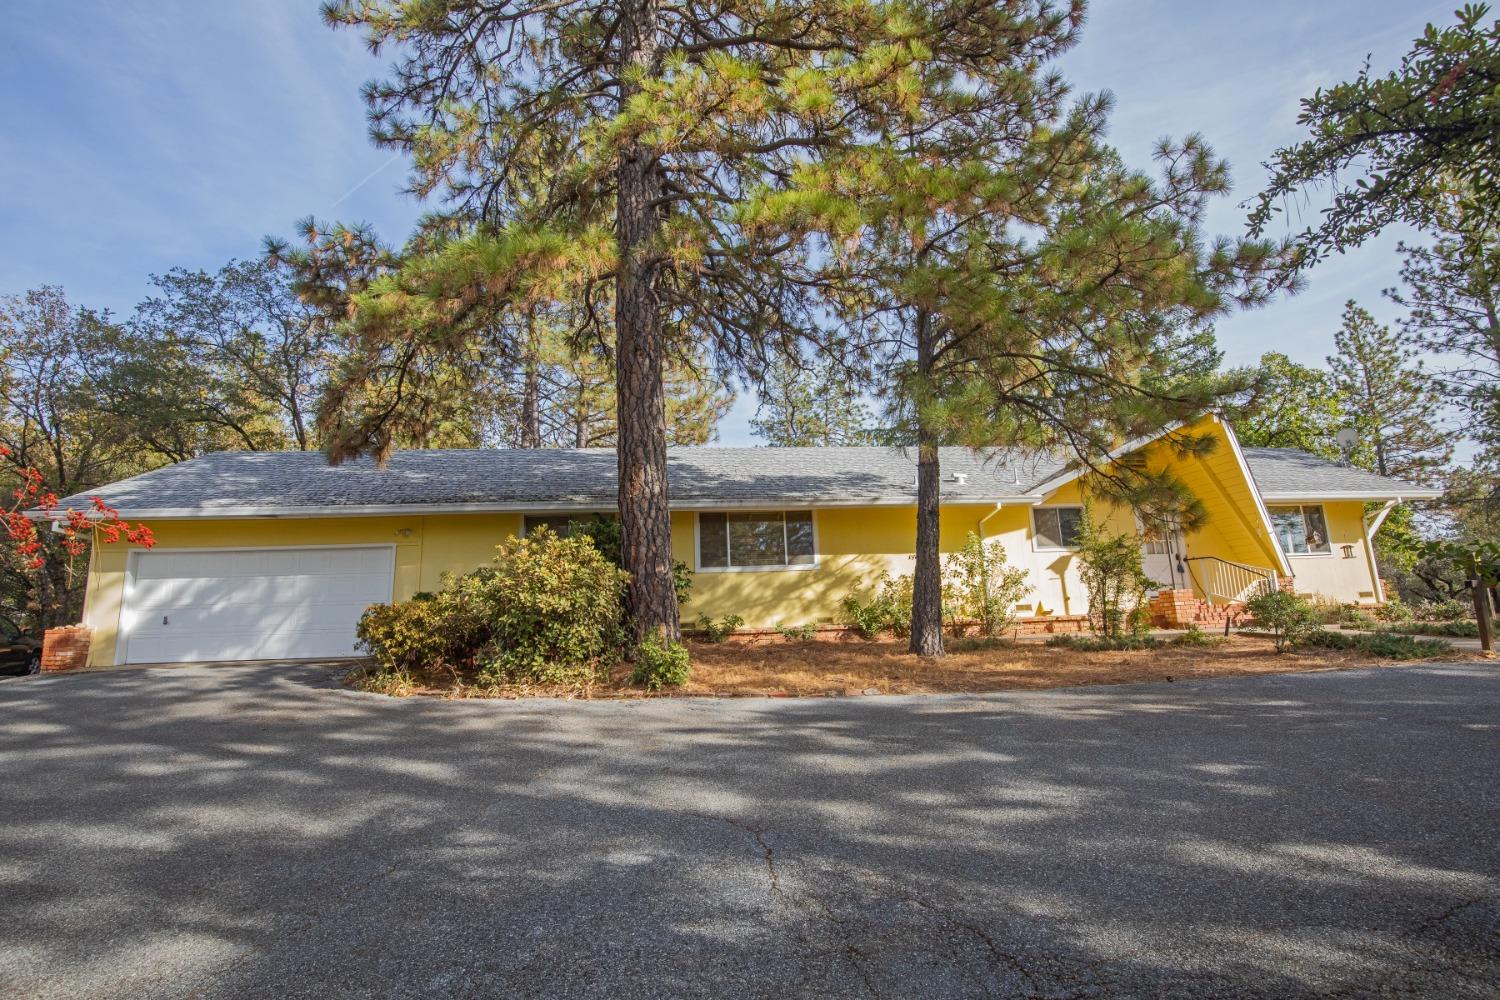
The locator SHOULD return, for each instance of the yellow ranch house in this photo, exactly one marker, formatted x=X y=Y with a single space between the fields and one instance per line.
x=275 y=555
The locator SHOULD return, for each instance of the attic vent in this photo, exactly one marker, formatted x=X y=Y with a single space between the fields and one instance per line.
x=960 y=478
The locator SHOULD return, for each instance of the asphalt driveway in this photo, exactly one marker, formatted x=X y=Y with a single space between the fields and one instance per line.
x=236 y=832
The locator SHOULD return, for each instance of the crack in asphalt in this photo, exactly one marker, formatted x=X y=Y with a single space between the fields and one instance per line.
x=851 y=950
x=1434 y=922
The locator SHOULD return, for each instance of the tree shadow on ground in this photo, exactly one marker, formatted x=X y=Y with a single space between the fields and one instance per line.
x=256 y=831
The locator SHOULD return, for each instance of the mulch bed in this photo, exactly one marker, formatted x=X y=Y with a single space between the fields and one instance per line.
x=781 y=668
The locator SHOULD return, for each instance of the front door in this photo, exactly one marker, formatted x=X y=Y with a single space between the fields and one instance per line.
x=1162 y=555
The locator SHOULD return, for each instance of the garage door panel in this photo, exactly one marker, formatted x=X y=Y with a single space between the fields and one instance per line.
x=251 y=604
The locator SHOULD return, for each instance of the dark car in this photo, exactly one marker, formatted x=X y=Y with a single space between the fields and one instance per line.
x=19 y=653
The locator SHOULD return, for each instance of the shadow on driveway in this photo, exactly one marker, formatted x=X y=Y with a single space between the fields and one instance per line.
x=225 y=832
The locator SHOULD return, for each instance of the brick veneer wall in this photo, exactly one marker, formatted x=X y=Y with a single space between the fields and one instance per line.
x=66 y=648
x=1173 y=608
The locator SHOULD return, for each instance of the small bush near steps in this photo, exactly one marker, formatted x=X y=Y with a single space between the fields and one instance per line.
x=1289 y=617
x=660 y=664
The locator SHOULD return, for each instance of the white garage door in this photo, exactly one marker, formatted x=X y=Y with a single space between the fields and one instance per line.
x=257 y=604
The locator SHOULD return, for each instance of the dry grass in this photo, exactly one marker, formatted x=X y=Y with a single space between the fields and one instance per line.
x=779 y=668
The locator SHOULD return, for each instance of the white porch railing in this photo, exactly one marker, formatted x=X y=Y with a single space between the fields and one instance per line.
x=1225 y=582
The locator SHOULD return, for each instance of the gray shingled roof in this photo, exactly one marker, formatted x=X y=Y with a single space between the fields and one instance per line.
x=538 y=479
x=1291 y=473
x=266 y=482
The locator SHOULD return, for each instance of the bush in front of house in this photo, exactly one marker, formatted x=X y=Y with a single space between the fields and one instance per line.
x=1449 y=610
x=1330 y=611
x=980 y=586
x=1454 y=630
x=1386 y=645
x=660 y=664
x=1196 y=637
x=604 y=532
x=1394 y=610
x=1110 y=567
x=888 y=610
x=548 y=609
x=713 y=631
x=430 y=630
x=1290 y=618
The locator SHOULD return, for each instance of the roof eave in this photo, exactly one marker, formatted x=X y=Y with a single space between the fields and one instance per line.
x=539 y=507
x=1369 y=495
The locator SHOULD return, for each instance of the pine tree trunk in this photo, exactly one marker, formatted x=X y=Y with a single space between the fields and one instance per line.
x=531 y=397
x=927 y=584
x=641 y=449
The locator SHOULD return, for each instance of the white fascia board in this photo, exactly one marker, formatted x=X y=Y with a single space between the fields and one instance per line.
x=1283 y=562
x=1411 y=494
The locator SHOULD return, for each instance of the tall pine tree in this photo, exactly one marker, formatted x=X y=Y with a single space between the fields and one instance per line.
x=1391 y=399
x=1024 y=289
x=605 y=152
x=1451 y=289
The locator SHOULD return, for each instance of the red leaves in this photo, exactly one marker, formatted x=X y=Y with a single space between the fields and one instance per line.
x=75 y=527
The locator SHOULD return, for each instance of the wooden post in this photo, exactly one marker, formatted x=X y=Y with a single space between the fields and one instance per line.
x=1482 y=615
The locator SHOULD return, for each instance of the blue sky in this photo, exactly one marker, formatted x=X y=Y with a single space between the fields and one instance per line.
x=135 y=137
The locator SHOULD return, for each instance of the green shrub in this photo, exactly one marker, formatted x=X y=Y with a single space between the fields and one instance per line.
x=660 y=664
x=555 y=609
x=717 y=631
x=1110 y=568
x=547 y=609
x=889 y=609
x=1328 y=610
x=1355 y=618
x=978 y=585
x=1457 y=630
x=798 y=633
x=1195 y=636
x=1443 y=611
x=1394 y=610
x=1386 y=645
x=604 y=532
x=1289 y=617
x=432 y=630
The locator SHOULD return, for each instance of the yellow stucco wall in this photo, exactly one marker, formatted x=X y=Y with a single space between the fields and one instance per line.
x=855 y=545
x=1348 y=579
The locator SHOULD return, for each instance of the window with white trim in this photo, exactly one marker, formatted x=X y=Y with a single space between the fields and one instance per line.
x=1056 y=527
x=756 y=539
x=1301 y=529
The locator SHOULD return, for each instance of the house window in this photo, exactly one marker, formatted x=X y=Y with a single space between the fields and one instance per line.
x=1302 y=530
x=561 y=524
x=761 y=539
x=1056 y=527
